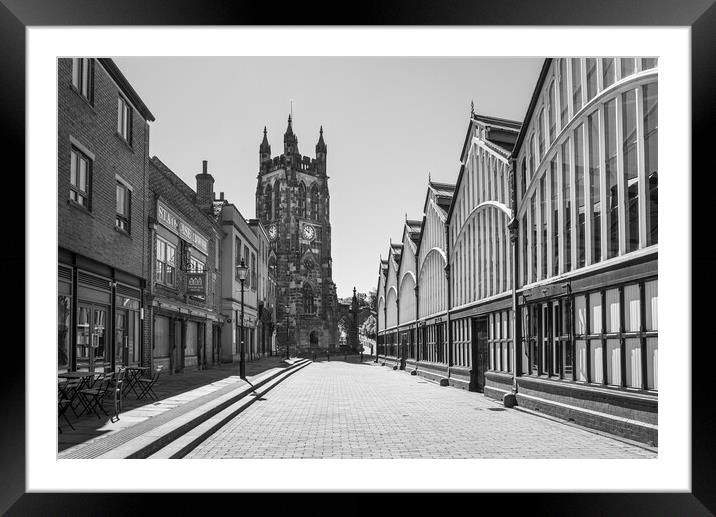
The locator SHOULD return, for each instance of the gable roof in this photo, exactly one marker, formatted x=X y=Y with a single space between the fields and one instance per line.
x=115 y=73
x=533 y=104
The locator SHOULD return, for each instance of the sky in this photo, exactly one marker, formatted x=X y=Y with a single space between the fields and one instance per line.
x=388 y=122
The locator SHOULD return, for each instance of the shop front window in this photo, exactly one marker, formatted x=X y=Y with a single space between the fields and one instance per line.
x=63 y=332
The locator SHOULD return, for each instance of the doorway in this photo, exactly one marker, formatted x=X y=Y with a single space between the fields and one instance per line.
x=91 y=338
x=480 y=355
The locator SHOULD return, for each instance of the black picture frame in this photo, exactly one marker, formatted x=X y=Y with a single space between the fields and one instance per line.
x=699 y=15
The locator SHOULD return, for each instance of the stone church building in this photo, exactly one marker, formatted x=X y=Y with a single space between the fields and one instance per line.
x=292 y=202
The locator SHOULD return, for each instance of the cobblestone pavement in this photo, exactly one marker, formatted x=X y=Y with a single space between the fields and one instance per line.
x=343 y=410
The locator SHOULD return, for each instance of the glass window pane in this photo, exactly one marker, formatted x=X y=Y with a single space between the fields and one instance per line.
x=63 y=331
x=576 y=84
x=595 y=307
x=627 y=65
x=610 y=152
x=596 y=373
x=553 y=177
x=76 y=72
x=85 y=77
x=540 y=134
x=648 y=63
x=73 y=168
x=594 y=186
x=543 y=223
x=591 y=64
x=119 y=115
x=633 y=362
x=652 y=363
x=651 y=160
x=567 y=204
x=83 y=175
x=632 y=308
x=607 y=71
x=120 y=199
x=581 y=353
x=630 y=168
x=614 y=362
x=563 y=95
x=651 y=299
x=579 y=186
x=613 y=313
x=580 y=313
x=551 y=110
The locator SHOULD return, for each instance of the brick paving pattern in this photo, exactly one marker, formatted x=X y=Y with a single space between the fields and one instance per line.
x=342 y=410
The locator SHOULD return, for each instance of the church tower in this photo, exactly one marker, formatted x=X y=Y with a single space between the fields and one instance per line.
x=292 y=202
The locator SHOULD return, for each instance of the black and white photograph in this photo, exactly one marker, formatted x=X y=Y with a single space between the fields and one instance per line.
x=228 y=307
x=358 y=259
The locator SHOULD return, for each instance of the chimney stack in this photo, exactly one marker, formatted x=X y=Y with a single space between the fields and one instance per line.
x=204 y=188
x=221 y=196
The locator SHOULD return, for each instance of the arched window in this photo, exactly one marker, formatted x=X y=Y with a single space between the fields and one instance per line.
x=314 y=202
x=277 y=201
x=301 y=200
x=309 y=304
x=267 y=201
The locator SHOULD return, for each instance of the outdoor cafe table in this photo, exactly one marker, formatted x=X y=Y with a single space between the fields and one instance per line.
x=84 y=379
x=133 y=373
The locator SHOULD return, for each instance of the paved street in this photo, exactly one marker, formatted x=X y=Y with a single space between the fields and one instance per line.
x=341 y=410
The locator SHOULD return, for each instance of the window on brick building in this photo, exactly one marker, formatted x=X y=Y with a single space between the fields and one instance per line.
x=80 y=178
x=83 y=77
x=254 y=279
x=165 y=263
x=124 y=119
x=124 y=207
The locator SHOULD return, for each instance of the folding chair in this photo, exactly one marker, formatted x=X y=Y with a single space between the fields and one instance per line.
x=92 y=397
x=62 y=404
x=146 y=385
x=117 y=389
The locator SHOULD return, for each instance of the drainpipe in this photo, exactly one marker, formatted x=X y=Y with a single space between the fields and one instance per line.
x=510 y=399
x=445 y=382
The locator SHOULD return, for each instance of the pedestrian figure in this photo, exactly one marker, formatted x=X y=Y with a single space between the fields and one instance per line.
x=328 y=357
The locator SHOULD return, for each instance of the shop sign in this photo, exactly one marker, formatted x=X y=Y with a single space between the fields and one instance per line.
x=168 y=219
x=196 y=283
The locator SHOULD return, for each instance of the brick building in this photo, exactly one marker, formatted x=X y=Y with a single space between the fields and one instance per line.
x=184 y=293
x=239 y=242
x=102 y=166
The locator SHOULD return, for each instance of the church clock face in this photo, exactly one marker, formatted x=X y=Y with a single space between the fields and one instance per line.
x=272 y=232
x=308 y=232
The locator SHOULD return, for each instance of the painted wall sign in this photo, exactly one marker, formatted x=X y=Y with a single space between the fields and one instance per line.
x=174 y=223
x=196 y=283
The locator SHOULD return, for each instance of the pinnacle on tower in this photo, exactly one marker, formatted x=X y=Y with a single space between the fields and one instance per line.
x=289 y=129
x=321 y=145
x=290 y=142
x=265 y=147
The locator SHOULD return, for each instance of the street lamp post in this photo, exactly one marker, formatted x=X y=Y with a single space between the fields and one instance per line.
x=241 y=271
x=287 y=344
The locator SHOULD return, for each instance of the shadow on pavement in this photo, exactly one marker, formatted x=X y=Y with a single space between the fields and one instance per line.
x=168 y=386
